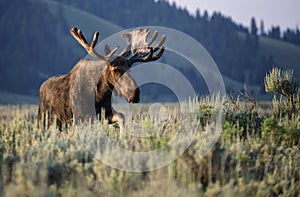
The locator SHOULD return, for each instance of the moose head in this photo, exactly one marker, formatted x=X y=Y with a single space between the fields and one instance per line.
x=138 y=50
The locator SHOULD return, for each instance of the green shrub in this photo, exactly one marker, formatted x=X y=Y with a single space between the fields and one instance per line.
x=287 y=132
x=205 y=112
x=230 y=130
x=283 y=84
x=272 y=130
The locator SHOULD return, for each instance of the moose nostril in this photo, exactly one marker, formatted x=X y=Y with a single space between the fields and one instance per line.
x=136 y=96
x=133 y=96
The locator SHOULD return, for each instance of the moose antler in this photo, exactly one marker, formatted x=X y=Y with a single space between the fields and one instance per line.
x=141 y=48
x=77 y=34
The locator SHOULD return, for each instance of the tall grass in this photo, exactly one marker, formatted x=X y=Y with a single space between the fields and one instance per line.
x=249 y=158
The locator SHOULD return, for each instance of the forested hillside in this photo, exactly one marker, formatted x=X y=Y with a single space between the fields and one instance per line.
x=32 y=44
x=233 y=47
x=35 y=41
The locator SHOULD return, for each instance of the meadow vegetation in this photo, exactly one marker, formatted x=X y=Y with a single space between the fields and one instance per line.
x=257 y=153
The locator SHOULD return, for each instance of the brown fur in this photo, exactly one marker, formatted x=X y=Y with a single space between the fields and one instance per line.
x=87 y=89
x=84 y=91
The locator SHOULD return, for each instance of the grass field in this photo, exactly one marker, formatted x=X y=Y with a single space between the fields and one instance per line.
x=250 y=158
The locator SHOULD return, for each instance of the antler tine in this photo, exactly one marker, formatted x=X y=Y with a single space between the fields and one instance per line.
x=95 y=39
x=77 y=34
x=125 y=50
x=109 y=56
x=155 y=34
x=150 y=56
x=160 y=43
x=126 y=38
x=156 y=57
x=81 y=36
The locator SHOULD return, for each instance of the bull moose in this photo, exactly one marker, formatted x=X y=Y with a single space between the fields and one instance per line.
x=87 y=89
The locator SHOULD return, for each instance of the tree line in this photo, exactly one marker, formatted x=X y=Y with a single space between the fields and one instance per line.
x=35 y=43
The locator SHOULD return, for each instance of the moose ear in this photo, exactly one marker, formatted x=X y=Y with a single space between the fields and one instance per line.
x=107 y=50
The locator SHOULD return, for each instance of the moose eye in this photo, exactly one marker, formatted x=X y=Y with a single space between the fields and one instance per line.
x=118 y=72
x=114 y=65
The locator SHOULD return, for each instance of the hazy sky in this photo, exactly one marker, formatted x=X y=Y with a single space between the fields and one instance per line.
x=285 y=13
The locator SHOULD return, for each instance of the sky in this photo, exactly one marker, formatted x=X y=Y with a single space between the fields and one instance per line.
x=283 y=13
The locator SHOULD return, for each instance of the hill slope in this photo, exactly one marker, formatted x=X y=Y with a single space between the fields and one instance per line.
x=45 y=47
x=86 y=21
x=284 y=54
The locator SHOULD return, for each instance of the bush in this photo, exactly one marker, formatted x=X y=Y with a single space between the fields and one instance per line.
x=288 y=131
x=283 y=83
x=272 y=130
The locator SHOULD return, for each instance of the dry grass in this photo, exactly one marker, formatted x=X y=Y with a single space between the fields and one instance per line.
x=242 y=163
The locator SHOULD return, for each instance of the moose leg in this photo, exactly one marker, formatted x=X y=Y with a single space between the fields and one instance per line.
x=41 y=118
x=118 y=118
